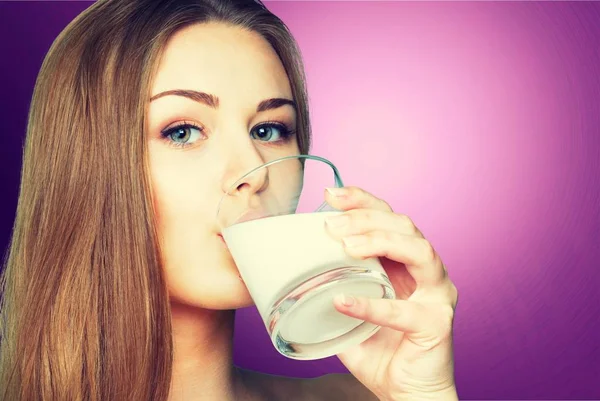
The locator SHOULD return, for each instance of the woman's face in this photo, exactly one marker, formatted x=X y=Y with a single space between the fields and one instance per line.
x=208 y=125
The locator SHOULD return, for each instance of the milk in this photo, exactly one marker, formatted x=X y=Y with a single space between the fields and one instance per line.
x=275 y=254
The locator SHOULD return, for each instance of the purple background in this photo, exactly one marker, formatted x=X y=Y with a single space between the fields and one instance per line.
x=479 y=120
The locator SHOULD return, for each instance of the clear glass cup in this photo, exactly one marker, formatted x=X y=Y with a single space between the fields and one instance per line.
x=272 y=221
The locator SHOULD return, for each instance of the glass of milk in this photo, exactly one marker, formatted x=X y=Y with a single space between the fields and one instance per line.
x=273 y=222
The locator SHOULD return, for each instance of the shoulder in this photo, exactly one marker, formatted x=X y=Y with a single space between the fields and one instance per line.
x=330 y=387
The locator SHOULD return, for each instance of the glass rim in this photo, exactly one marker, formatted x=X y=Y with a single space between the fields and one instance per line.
x=337 y=179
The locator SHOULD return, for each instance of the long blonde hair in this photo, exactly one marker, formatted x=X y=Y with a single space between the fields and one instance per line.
x=85 y=312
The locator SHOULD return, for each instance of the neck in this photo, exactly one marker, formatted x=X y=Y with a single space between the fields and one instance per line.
x=203 y=366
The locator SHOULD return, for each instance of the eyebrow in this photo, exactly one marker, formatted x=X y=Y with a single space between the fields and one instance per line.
x=213 y=101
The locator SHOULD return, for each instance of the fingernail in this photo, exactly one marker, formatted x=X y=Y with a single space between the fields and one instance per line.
x=337 y=221
x=346 y=300
x=354 y=240
x=337 y=192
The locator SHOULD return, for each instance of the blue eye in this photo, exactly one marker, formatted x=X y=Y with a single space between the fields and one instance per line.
x=271 y=132
x=183 y=135
x=186 y=134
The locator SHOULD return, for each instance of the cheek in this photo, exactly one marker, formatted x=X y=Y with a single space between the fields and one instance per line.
x=180 y=204
x=182 y=197
x=185 y=225
x=175 y=184
x=292 y=184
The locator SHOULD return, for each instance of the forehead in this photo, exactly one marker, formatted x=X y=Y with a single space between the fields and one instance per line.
x=228 y=61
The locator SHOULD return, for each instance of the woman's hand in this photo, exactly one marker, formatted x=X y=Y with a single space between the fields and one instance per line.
x=410 y=357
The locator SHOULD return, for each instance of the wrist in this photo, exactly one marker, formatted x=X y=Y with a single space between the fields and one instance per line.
x=447 y=394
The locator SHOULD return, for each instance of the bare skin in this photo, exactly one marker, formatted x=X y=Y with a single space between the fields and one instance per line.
x=332 y=387
x=198 y=147
x=214 y=377
x=189 y=169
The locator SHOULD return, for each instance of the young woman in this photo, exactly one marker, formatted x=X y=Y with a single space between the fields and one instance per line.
x=117 y=285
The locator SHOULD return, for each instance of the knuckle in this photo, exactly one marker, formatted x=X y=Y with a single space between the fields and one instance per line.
x=387 y=236
x=407 y=222
x=427 y=249
x=453 y=295
x=350 y=221
x=386 y=205
x=370 y=237
x=406 y=219
x=354 y=190
x=415 y=231
x=446 y=321
x=367 y=307
x=383 y=241
x=359 y=214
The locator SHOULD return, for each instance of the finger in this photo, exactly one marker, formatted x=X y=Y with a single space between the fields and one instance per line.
x=417 y=254
x=347 y=198
x=361 y=221
x=401 y=315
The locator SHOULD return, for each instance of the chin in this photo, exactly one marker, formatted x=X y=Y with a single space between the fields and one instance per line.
x=214 y=283
x=233 y=295
x=221 y=290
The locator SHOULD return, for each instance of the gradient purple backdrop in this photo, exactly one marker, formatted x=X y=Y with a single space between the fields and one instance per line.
x=479 y=120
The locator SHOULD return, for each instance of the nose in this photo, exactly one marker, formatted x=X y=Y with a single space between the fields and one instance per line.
x=242 y=175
